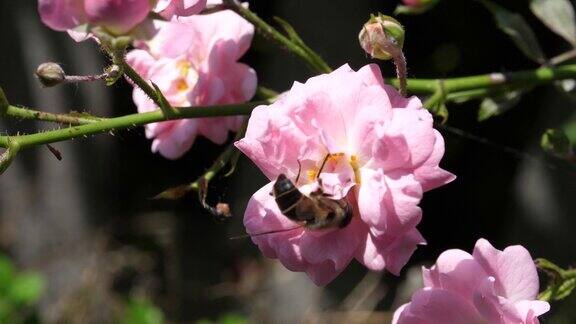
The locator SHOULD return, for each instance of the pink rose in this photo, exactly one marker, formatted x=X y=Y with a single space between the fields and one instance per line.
x=117 y=16
x=385 y=155
x=194 y=61
x=489 y=286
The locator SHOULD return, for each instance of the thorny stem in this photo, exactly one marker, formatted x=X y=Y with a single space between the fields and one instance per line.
x=528 y=78
x=312 y=59
x=71 y=119
x=152 y=92
x=85 y=78
x=401 y=71
x=112 y=124
x=451 y=87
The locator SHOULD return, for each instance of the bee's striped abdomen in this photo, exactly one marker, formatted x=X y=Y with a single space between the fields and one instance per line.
x=287 y=196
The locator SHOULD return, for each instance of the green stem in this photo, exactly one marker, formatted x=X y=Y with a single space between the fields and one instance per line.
x=123 y=122
x=314 y=61
x=89 y=126
x=151 y=91
x=66 y=119
x=530 y=78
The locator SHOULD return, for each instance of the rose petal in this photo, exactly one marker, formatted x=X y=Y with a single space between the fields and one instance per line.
x=437 y=306
x=513 y=268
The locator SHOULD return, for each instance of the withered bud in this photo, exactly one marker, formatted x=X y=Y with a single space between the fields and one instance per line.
x=223 y=210
x=50 y=74
x=382 y=37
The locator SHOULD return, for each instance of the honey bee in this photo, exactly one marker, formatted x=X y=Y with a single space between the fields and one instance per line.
x=314 y=212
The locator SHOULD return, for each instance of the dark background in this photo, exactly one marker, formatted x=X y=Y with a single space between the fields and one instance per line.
x=88 y=223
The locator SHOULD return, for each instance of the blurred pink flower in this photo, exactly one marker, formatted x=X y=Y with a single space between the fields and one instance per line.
x=412 y=3
x=116 y=16
x=420 y=4
x=489 y=286
x=383 y=146
x=194 y=61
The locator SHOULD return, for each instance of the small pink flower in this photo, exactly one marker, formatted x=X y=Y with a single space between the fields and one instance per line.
x=385 y=154
x=489 y=286
x=116 y=16
x=194 y=61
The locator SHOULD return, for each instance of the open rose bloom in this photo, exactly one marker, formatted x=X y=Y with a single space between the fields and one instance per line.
x=384 y=154
x=194 y=62
x=489 y=286
x=116 y=16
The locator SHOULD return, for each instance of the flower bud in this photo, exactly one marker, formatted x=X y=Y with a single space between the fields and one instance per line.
x=382 y=37
x=50 y=74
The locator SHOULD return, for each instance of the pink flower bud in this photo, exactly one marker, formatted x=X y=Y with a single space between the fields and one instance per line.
x=382 y=37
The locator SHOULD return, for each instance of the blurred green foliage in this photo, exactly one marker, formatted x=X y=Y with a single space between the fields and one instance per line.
x=19 y=293
x=142 y=311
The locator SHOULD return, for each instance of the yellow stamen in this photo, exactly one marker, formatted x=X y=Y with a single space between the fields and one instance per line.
x=181 y=85
x=311 y=175
x=356 y=168
x=184 y=67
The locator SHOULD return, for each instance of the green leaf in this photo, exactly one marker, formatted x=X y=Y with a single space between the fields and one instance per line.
x=26 y=288
x=174 y=193
x=561 y=282
x=555 y=142
x=558 y=15
x=140 y=311
x=565 y=289
x=518 y=30
x=494 y=106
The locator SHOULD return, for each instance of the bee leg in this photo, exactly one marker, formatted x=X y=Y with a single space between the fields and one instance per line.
x=299 y=169
x=322 y=166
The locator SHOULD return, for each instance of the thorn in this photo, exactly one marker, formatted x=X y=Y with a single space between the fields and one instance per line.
x=54 y=152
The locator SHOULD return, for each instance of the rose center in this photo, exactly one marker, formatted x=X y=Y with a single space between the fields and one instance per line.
x=333 y=162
